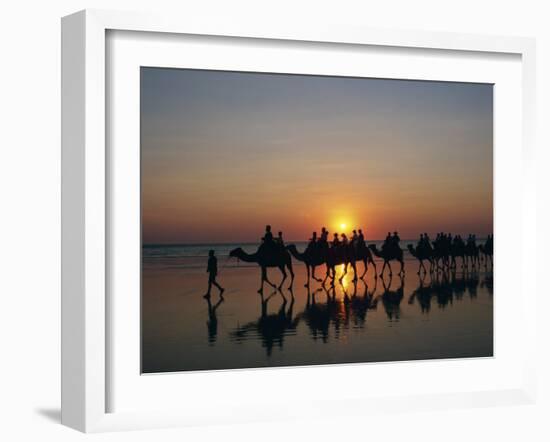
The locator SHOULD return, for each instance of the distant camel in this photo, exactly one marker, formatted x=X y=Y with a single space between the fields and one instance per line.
x=487 y=252
x=441 y=253
x=278 y=257
x=472 y=252
x=458 y=250
x=313 y=257
x=310 y=259
x=389 y=254
x=422 y=254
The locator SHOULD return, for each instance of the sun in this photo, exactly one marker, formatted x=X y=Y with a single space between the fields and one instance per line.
x=343 y=226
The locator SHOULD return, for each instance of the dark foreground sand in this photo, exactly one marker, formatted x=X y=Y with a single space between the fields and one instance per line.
x=445 y=317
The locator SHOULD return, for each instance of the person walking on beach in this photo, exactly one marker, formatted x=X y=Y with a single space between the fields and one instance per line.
x=212 y=270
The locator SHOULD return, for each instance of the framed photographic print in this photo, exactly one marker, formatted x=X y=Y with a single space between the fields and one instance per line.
x=252 y=211
x=224 y=154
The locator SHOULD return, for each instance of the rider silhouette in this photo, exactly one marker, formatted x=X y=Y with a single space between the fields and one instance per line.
x=323 y=240
x=395 y=239
x=426 y=238
x=361 y=238
x=335 y=241
x=344 y=239
x=268 y=236
x=313 y=238
x=279 y=240
x=387 y=241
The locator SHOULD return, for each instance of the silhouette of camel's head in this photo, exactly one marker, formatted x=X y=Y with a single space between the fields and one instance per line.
x=236 y=252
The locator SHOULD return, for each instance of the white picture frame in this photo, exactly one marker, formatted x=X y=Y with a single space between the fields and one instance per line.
x=86 y=353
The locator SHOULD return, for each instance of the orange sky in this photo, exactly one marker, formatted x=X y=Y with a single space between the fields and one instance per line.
x=223 y=154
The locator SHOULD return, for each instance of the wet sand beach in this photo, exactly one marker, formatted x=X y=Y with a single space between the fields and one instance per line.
x=394 y=319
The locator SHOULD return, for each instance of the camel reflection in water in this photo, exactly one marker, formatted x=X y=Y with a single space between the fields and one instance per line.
x=448 y=287
x=327 y=315
x=391 y=299
x=271 y=328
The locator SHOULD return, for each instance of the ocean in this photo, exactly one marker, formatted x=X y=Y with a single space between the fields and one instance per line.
x=195 y=255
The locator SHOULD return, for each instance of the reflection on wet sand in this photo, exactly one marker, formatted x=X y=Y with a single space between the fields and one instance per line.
x=212 y=322
x=446 y=314
x=447 y=287
x=271 y=328
x=325 y=313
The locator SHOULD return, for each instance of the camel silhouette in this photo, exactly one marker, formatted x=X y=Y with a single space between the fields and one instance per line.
x=272 y=328
x=316 y=256
x=487 y=252
x=422 y=254
x=268 y=257
x=472 y=254
x=458 y=251
x=443 y=257
x=389 y=254
x=310 y=258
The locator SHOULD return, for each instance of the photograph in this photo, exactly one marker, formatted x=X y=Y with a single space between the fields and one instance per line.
x=301 y=220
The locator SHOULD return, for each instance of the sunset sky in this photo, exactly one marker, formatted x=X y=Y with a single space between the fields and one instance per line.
x=224 y=154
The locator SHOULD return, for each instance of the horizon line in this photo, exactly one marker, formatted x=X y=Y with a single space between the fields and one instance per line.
x=175 y=244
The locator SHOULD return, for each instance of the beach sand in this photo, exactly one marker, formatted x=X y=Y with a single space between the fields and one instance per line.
x=438 y=318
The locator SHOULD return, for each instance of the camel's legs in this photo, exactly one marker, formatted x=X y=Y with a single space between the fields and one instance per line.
x=374 y=265
x=333 y=276
x=313 y=274
x=354 y=266
x=307 y=282
x=366 y=264
x=421 y=266
x=282 y=269
x=402 y=271
x=291 y=276
x=327 y=274
x=383 y=268
x=345 y=272
x=262 y=277
x=265 y=278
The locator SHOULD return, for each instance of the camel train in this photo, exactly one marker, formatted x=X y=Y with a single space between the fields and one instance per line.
x=275 y=254
x=442 y=255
